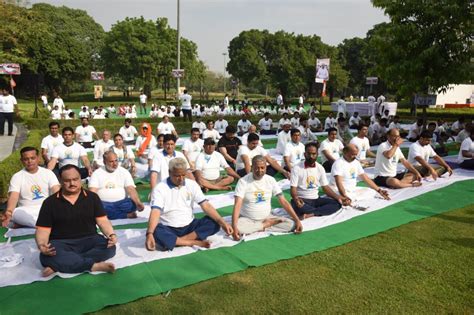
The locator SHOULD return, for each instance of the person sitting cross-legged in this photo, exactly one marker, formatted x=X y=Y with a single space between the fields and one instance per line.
x=330 y=149
x=28 y=189
x=208 y=165
x=252 y=206
x=171 y=221
x=420 y=153
x=116 y=189
x=306 y=178
x=344 y=174
x=66 y=232
x=466 y=153
x=388 y=155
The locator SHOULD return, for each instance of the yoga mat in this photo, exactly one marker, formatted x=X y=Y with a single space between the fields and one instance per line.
x=87 y=293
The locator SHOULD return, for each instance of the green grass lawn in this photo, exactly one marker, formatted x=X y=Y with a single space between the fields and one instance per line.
x=422 y=267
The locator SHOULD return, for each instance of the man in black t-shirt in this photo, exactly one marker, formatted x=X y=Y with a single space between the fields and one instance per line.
x=66 y=232
x=229 y=145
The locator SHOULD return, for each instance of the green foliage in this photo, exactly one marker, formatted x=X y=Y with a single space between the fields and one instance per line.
x=426 y=45
x=283 y=61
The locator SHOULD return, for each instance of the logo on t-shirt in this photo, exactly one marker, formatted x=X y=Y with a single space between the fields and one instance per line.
x=68 y=154
x=259 y=196
x=310 y=182
x=36 y=190
x=353 y=173
x=109 y=185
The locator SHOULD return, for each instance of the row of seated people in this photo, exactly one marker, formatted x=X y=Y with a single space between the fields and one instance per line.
x=171 y=221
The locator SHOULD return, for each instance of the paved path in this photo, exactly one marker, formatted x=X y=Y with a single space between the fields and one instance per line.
x=7 y=142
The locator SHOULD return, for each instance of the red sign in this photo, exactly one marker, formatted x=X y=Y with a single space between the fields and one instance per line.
x=10 y=68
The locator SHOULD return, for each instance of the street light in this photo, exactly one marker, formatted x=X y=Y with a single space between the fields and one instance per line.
x=224 y=54
x=179 y=55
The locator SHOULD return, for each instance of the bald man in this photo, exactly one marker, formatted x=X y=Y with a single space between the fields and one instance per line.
x=344 y=174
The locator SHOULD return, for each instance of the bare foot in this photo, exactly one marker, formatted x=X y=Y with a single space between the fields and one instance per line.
x=205 y=190
x=205 y=244
x=47 y=272
x=416 y=184
x=307 y=215
x=103 y=266
x=132 y=215
x=226 y=188
x=270 y=222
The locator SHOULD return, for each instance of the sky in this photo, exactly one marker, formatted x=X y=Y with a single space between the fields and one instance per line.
x=212 y=24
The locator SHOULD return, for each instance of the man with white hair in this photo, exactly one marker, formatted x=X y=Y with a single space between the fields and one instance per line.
x=171 y=221
x=284 y=136
x=193 y=146
x=252 y=207
x=116 y=189
x=102 y=146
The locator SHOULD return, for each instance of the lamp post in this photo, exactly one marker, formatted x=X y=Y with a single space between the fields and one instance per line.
x=178 y=55
x=224 y=54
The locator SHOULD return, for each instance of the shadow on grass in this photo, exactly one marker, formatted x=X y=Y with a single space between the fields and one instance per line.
x=464 y=242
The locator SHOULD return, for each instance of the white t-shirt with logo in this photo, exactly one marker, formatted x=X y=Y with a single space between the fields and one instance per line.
x=129 y=133
x=295 y=151
x=33 y=188
x=185 y=101
x=165 y=128
x=308 y=180
x=466 y=145
x=265 y=124
x=214 y=134
x=68 y=154
x=283 y=139
x=210 y=165
x=329 y=123
x=176 y=203
x=425 y=152
x=283 y=122
x=256 y=195
x=193 y=148
x=122 y=154
x=111 y=186
x=221 y=125
x=244 y=125
x=295 y=122
x=334 y=149
x=349 y=171
x=354 y=120
x=161 y=162
x=143 y=98
x=363 y=145
x=49 y=143
x=244 y=150
x=100 y=148
x=7 y=103
x=387 y=167
x=85 y=133
x=314 y=123
x=200 y=125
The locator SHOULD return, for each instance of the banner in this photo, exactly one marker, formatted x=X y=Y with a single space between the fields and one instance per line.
x=10 y=68
x=177 y=73
x=371 y=80
x=97 y=76
x=98 y=93
x=322 y=70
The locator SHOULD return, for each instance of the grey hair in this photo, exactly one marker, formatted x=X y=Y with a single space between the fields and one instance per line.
x=178 y=163
x=258 y=158
x=107 y=153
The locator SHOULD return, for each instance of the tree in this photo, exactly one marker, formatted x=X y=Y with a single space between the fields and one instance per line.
x=353 y=54
x=426 y=45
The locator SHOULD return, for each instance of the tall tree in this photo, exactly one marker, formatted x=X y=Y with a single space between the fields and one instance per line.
x=426 y=45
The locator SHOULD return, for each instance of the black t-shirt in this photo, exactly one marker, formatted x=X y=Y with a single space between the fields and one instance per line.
x=232 y=146
x=69 y=221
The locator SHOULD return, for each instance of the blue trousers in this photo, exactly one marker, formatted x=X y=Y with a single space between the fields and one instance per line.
x=77 y=255
x=119 y=209
x=165 y=236
x=321 y=206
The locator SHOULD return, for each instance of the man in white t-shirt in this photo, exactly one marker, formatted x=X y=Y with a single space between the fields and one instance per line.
x=420 y=153
x=415 y=130
x=380 y=105
x=466 y=153
x=330 y=122
x=50 y=142
x=101 y=146
x=355 y=120
x=116 y=189
x=143 y=98
x=344 y=174
x=252 y=206
x=295 y=120
x=279 y=100
x=330 y=149
x=371 y=100
x=284 y=136
x=199 y=125
x=294 y=150
x=221 y=124
x=265 y=124
x=58 y=101
x=363 y=146
x=306 y=134
x=86 y=133
x=243 y=125
x=7 y=109
x=166 y=127
x=55 y=113
x=388 y=155
x=69 y=152
x=128 y=132
x=301 y=100
x=44 y=100
x=210 y=132
x=284 y=120
x=186 y=105
x=252 y=129
x=208 y=169
x=314 y=123
x=192 y=147
x=28 y=189
x=341 y=107
x=306 y=178
x=172 y=222
x=247 y=152
x=159 y=170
